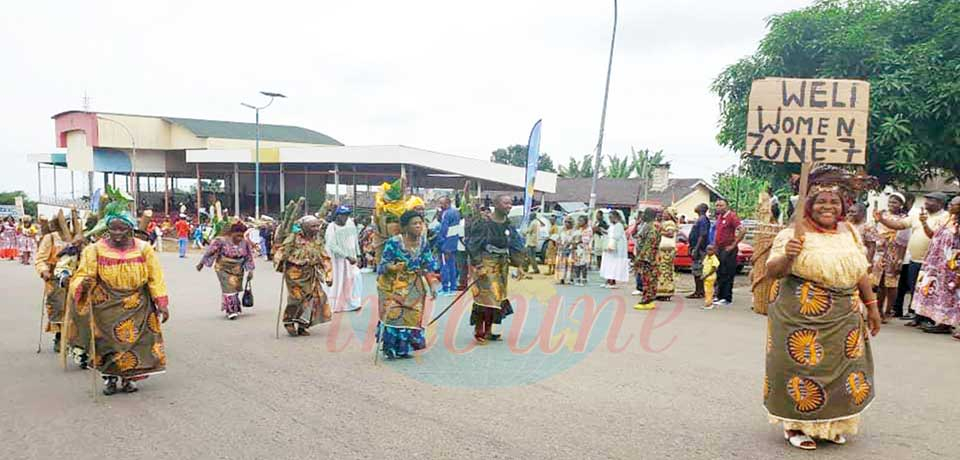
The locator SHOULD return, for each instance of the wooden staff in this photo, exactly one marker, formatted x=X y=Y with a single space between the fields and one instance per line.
x=43 y=301
x=92 y=354
x=280 y=303
x=65 y=329
x=799 y=215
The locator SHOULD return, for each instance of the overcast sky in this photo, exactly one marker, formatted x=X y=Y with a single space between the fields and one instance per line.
x=452 y=76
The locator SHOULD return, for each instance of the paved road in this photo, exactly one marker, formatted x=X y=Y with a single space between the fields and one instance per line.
x=689 y=388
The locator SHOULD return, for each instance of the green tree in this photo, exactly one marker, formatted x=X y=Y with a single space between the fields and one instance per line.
x=644 y=160
x=10 y=198
x=619 y=168
x=581 y=169
x=516 y=155
x=907 y=50
x=572 y=169
x=741 y=190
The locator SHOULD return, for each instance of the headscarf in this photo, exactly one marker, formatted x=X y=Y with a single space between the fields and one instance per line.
x=408 y=216
x=670 y=213
x=392 y=191
x=829 y=178
x=898 y=195
x=343 y=209
x=123 y=216
x=414 y=202
x=238 y=227
x=307 y=219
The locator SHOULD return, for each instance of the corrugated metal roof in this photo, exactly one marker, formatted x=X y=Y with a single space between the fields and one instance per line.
x=622 y=192
x=395 y=155
x=236 y=129
x=240 y=130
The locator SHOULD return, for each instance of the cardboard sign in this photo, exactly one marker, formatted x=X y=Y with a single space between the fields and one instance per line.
x=18 y=202
x=794 y=120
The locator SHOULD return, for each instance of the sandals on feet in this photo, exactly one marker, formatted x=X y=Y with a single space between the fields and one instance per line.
x=839 y=440
x=129 y=387
x=291 y=329
x=110 y=387
x=800 y=440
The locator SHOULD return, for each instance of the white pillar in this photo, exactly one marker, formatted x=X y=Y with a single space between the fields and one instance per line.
x=236 y=189
x=336 y=183
x=282 y=191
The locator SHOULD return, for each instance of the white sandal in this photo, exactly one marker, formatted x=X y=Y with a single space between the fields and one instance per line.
x=801 y=441
x=839 y=440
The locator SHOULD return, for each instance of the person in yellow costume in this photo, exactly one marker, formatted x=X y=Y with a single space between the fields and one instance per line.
x=47 y=256
x=119 y=280
x=389 y=206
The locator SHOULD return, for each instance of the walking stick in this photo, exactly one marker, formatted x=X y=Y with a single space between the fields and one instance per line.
x=92 y=354
x=280 y=301
x=455 y=300
x=43 y=301
x=65 y=329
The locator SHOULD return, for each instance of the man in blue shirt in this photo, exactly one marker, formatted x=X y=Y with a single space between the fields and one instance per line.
x=697 y=243
x=449 y=217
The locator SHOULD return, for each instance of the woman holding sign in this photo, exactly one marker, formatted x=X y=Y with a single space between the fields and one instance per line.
x=819 y=365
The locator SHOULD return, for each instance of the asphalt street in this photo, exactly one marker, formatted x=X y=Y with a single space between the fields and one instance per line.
x=674 y=383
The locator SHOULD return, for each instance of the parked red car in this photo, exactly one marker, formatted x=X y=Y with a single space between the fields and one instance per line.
x=683 y=260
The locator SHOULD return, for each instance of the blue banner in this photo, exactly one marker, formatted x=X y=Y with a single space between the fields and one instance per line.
x=533 y=159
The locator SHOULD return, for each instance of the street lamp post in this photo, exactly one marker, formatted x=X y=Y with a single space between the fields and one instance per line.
x=603 y=117
x=257 y=147
x=133 y=162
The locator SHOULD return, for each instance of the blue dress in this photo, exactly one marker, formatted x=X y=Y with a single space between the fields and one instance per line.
x=402 y=296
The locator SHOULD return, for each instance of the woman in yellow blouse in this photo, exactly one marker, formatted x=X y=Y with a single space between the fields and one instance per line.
x=819 y=364
x=120 y=278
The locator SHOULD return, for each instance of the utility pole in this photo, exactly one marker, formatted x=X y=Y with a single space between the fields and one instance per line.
x=603 y=116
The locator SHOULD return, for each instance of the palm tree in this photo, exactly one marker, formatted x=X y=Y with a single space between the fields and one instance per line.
x=579 y=169
x=619 y=168
x=644 y=161
x=571 y=170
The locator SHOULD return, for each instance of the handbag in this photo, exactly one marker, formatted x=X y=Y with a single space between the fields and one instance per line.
x=247 y=298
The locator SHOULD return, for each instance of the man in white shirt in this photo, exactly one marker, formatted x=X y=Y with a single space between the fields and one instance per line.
x=924 y=226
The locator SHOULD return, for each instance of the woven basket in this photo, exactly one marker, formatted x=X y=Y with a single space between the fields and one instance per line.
x=761 y=285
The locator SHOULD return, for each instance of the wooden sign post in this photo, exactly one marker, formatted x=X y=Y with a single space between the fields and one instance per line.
x=808 y=121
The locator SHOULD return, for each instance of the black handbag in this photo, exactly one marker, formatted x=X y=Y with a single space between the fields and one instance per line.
x=247 y=298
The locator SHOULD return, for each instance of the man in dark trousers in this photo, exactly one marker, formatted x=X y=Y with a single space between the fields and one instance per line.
x=449 y=217
x=266 y=239
x=727 y=239
x=697 y=241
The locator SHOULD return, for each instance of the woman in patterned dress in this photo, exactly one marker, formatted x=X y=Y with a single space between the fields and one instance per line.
x=646 y=254
x=27 y=239
x=493 y=244
x=567 y=242
x=306 y=267
x=8 y=239
x=819 y=366
x=406 y=268
x=120 y=279
x=665 y=255
x=938 y=286
x=889 y=248
x=230 y=256
x=583 y=251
